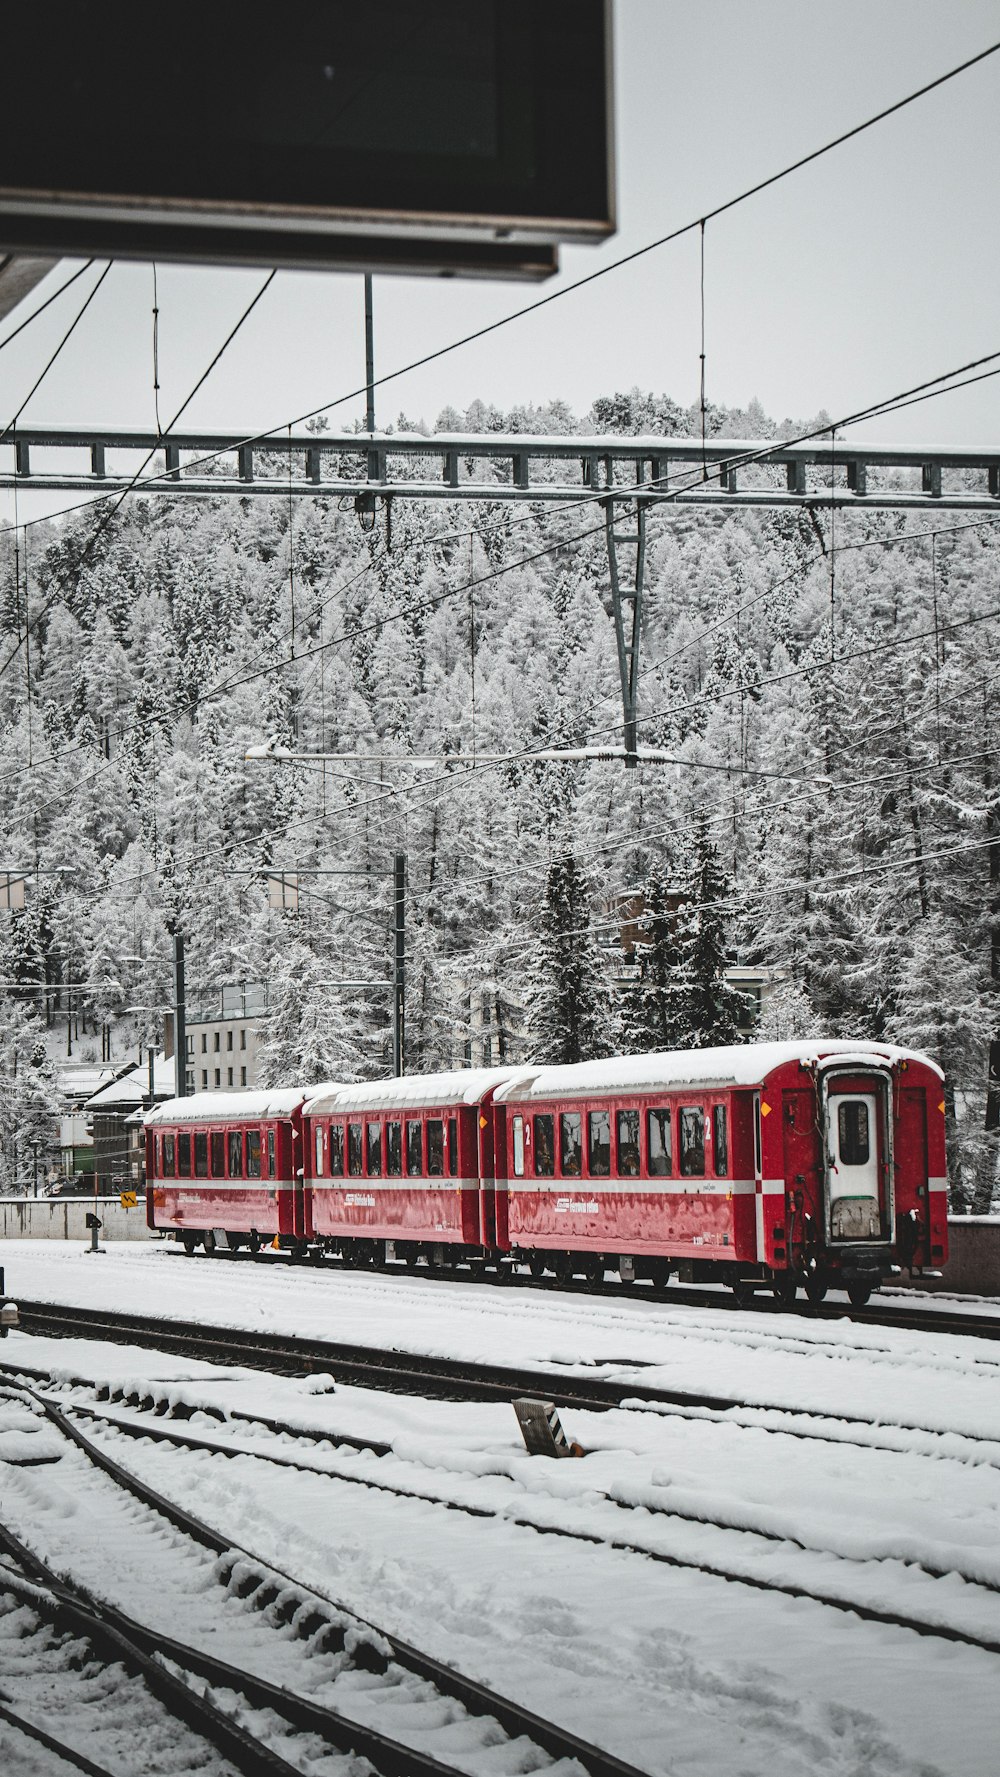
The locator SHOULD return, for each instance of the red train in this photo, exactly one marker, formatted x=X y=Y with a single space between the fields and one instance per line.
x=766 y=1165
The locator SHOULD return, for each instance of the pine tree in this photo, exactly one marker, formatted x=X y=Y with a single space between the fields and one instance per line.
x=566 y=986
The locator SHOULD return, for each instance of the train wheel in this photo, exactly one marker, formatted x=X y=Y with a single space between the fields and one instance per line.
x=537 y=1269
x=254 y=1241
x=783 y=1288
x=816 y=1286
x=208 y=1241
x=858 y=1293
x=593 y=1274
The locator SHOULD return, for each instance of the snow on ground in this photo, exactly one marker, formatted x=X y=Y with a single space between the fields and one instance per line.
x=679 y=1671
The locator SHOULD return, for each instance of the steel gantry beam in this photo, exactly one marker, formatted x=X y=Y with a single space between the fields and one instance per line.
x=621 y=477
x=494 y=466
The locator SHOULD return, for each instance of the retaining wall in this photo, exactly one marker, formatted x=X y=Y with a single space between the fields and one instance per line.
x=973 y=1267
x=65 y=1218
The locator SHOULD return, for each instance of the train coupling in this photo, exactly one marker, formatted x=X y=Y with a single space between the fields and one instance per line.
x=9 y=1316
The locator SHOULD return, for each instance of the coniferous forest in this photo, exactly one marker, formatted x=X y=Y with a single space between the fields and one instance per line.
x=825 y=688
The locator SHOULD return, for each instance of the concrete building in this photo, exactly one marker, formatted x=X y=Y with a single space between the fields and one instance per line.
x=222 y=1038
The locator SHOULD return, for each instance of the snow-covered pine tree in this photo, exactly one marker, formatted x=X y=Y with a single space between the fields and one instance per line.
x=566 y=987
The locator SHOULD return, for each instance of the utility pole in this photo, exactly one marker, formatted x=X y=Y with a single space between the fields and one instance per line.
x=180 y=1018
x=399 y=961
x=369 y=357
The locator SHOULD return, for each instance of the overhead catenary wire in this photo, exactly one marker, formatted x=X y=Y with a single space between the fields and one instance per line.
x=11 y=425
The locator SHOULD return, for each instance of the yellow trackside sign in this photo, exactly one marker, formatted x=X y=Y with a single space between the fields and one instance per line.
x=127 y=1199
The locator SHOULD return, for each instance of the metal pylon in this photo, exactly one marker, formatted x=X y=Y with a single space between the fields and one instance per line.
x=627 y=622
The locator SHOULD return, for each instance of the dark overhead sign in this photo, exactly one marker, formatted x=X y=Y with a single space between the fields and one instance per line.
x=428 y=135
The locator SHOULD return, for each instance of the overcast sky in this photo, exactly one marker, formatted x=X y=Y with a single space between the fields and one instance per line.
x=853 y=279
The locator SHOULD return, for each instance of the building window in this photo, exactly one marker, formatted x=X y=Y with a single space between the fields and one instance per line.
x=189 y=1045
x=243 y=1039
x=216 y=1042
x=204 y=1042
x=204 y=1079
x=229 y=1039
x=189 y=1080
x=218 y=1076
x=229 y=1076
x=243 y=1076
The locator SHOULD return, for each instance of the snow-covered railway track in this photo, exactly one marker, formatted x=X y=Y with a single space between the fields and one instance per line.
x=899 y=1312
x=435 y=1377
x=729 y=1547
x=93 y=1701
x=341 y=1673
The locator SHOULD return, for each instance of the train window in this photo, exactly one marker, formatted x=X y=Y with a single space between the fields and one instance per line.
x=720 y=1140
x=354 y=1164
x=517 y=1128
x=184 y=1156
x=374 y=1150
x=545 y=1147
x=852 y=1129
x=218 y=1154
x=414 y=1149
x=253 y=1153
x=435 y=1147
x=235 y=1153
x=394 y=1149
x=571 y=1143
x=336 y=1150
x=272 y=1171
x=169 y=1157
x=628 y=1144
x=201 y=1155
x=599 y=1143
x=319 y=1151
x=692 y=1127
x=452 y=1147
x=659 y=1142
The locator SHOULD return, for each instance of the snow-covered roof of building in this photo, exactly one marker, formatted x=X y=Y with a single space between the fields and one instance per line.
x=233 y=1107
x=743 y=1064
x=79 y=1080
x=132 y=1087
x=465 y=1085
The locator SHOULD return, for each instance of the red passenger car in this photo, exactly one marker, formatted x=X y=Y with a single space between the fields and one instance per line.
x=407 y=1161
x=780 y=1164
x=225 y=1168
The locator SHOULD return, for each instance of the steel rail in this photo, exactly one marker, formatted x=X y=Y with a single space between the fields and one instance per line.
x=390 y=1757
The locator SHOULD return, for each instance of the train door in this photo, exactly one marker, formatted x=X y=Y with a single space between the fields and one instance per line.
x=858 y=1184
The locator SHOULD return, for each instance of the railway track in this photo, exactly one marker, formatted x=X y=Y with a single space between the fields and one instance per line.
x=729 y=1550
x=445 y=1721
x=908 y=1317
x=393 y=1371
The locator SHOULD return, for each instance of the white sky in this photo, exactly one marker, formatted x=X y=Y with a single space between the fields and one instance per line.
x=853 y=279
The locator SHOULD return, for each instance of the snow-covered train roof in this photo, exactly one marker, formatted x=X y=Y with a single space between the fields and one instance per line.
x=231 y=1107
x=413 y=1091
x=740 y=1064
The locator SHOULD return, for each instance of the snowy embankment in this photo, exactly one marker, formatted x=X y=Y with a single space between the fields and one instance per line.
x=675 y=1669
